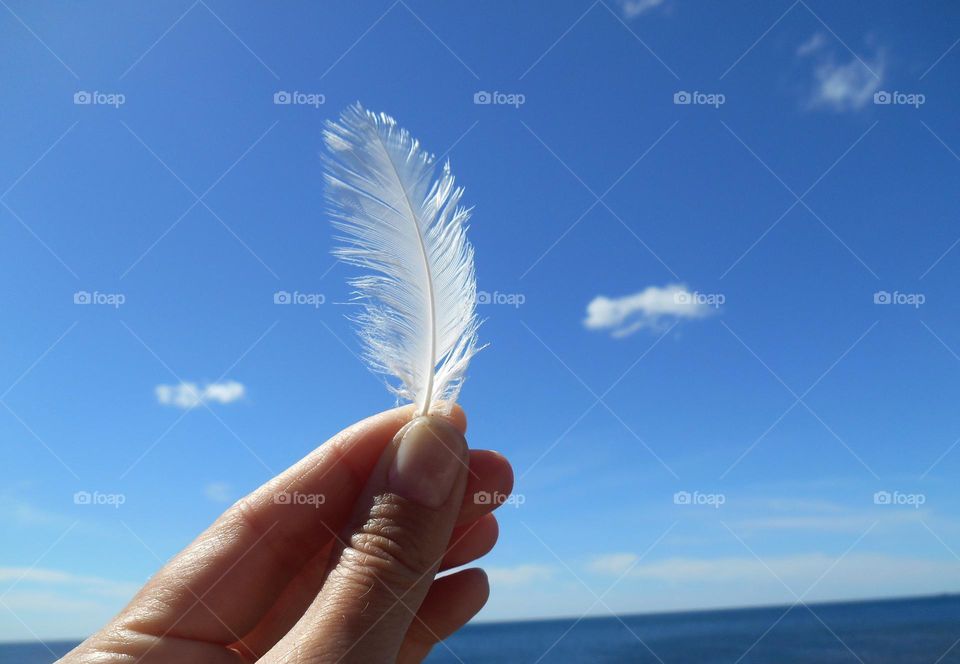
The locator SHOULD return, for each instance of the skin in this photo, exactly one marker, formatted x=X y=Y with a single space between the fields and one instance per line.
x=352 y=579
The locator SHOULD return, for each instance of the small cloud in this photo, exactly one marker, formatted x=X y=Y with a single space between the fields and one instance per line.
x=840 y=521
x=816 y=42
x=613 y=564
x=25 y=514
x=190 y=395
x=843 y=87
x=651 y=308
x=218 y=492
x=94 y=585
x=634 y=8
x=58 y=604
x=520 y=574
x=224 y=392
x=858 y=572
x=840 y=85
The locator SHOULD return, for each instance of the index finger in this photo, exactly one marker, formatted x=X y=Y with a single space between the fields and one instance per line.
x=219 y=587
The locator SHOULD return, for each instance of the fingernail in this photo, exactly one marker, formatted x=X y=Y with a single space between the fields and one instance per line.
x=427 y=463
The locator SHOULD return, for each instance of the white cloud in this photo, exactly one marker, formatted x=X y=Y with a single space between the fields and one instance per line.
x=23 y=513
x=96 y=585
x=520 y=574
x=51 y=604
x=634 y=8
x=847 y=86
x=691 y=583
x=224 y=392
x=799 y=514
x=652 y=308
x=190 y=395
x=840 y=85
x=218 y=492
x=613 y=564
x=854 y=523
x=58 y=604
x=816 y=42
x=859 y=571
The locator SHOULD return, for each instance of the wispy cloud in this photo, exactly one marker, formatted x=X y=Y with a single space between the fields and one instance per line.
x=652 y=308
x=218 y=492
x=835 y=523
x=840 y=84
x=190 y=395
x=798 y=571
x=613 y=564
x=820 y=516
x=519 y=574
x=26 y=514
x=634 y=8
x=58 y=604
x=95 y=585
x=816 y=42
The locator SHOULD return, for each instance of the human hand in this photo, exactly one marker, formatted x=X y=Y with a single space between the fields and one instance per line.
x=349 y=577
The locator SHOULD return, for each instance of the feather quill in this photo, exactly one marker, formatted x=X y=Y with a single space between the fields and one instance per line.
x=402 y=224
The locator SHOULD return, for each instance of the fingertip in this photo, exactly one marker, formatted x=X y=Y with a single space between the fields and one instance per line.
x=458 y=418
x=401 y=415
x=464 y=592
x=472 y=541
x=504 y=470
x=453 y=600
x=476 y=578
x=494 y=468
x=484 y=580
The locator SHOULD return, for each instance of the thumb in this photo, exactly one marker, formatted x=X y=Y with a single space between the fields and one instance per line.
x=390 y=551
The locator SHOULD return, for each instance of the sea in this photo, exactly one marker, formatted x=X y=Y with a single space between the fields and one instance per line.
x=925 y=630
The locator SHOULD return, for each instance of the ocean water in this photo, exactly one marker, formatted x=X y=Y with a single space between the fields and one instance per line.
x=923 y=630
x=896 y=631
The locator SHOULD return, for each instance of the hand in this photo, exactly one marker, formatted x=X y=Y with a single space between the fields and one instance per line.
x=334 y=560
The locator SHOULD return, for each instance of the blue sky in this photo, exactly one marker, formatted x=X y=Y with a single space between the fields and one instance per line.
x=717 y=329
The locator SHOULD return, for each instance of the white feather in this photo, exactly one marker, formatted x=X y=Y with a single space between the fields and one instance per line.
x=401 y=222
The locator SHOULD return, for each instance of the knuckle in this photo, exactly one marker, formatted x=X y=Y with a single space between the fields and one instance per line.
x=389 y=547
x=286 y=549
